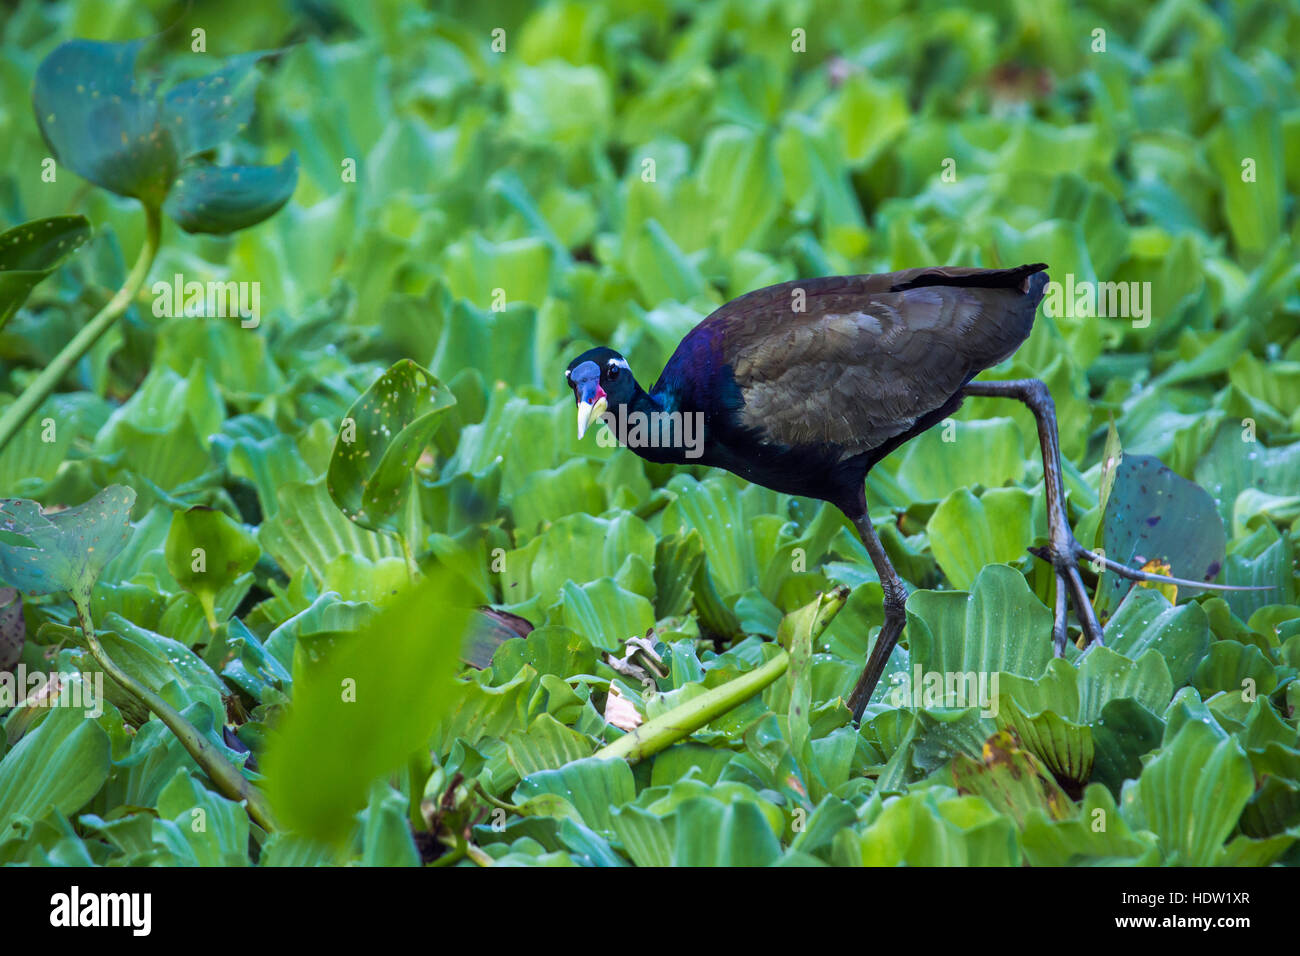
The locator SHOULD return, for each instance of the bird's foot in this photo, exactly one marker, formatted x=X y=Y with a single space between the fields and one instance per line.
x=1064 y=554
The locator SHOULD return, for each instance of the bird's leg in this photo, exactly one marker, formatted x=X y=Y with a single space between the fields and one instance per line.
x=895 y=616
x=1063 y=550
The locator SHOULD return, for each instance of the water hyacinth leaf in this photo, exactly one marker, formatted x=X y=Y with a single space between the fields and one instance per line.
x=548 y=745
x=100 y=123
x=224 y=199
x=364 y=708
x=31 y=251
x=371 y=471
x=1123 y=733
x=1191 y=794
x=988 y=452
x=1064 y=747
x=308 y=531
x=646 y=837
x=64 y=550
x=206 y=551
x=592 y=787
x=221 y=840
x=1105 y=676
x=386 y=837
x=205 y=112
x=967 y=533
x=711 y=833
x=606 y=614
x=1079 y=839
x=1153 y=513
x=1236 y=669
x=119 y=134
x=60 y=765
x=1147 y=620
x=677 y=559
x=1011 y=779
x=1273 y=808
x=999 y=626
x=918 y=830
x=1238 y=461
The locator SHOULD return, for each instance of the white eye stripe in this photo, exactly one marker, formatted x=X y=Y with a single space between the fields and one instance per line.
x=619 y=363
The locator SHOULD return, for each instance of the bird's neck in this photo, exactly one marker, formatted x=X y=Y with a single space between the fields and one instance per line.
x=656 y=430
x=645 y=403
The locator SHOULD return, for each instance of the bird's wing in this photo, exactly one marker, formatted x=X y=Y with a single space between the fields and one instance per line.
x=869 y=355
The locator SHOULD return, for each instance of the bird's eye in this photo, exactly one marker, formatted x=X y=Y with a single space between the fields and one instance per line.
x=612 y=371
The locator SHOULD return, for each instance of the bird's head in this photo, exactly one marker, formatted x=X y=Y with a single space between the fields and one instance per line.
x=600 y=379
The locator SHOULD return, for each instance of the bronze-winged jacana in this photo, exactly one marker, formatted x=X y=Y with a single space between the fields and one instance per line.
x=802 y=387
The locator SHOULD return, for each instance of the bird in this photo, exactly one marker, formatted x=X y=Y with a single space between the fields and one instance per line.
x=802 y=387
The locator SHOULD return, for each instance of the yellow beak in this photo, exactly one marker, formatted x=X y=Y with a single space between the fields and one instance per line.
x=588 y=413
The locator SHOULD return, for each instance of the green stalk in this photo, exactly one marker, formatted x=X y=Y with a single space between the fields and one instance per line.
x=48 y=380
x=684 y=719
x=220 y=771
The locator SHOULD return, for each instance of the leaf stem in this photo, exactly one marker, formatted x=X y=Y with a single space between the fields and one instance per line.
x=684 y=719
x=48 y=380
x=222 y=772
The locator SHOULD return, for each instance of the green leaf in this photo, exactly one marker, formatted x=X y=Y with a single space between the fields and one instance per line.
x=308 y=531
x=1236 y=669
x=360 y=712
x=31 y=251
x=105 y=126
x=1097 y=835
x=371 y=472
x=968 y=533
x=206 y=551
x=64 y=550
x=1146 y=620
x=1238 y=461
x=13 y=628
x=999 y=626
x=711 y=833
x=1105 y=676
x=1191 y=795
x=1064 y=747
x=58 y=766
x=605 y=614
x=920 y=830
x=592 y=788
x=386 y=838
x=201 y=827
x=1011 y=779
x=1154 y=514
x=224 y=199
x=100 y=123
x=989 y=452
x=207 y=111
x=548 y=745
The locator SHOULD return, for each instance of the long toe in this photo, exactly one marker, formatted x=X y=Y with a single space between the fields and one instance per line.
x=1092 y=633
x=1059 y=633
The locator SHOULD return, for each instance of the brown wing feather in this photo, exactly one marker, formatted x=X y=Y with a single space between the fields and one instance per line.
x=870 y=355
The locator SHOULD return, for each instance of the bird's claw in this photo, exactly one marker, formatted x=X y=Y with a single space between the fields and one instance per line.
x=1064 y=558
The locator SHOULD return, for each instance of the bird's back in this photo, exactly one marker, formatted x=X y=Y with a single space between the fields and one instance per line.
x=852 y=361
